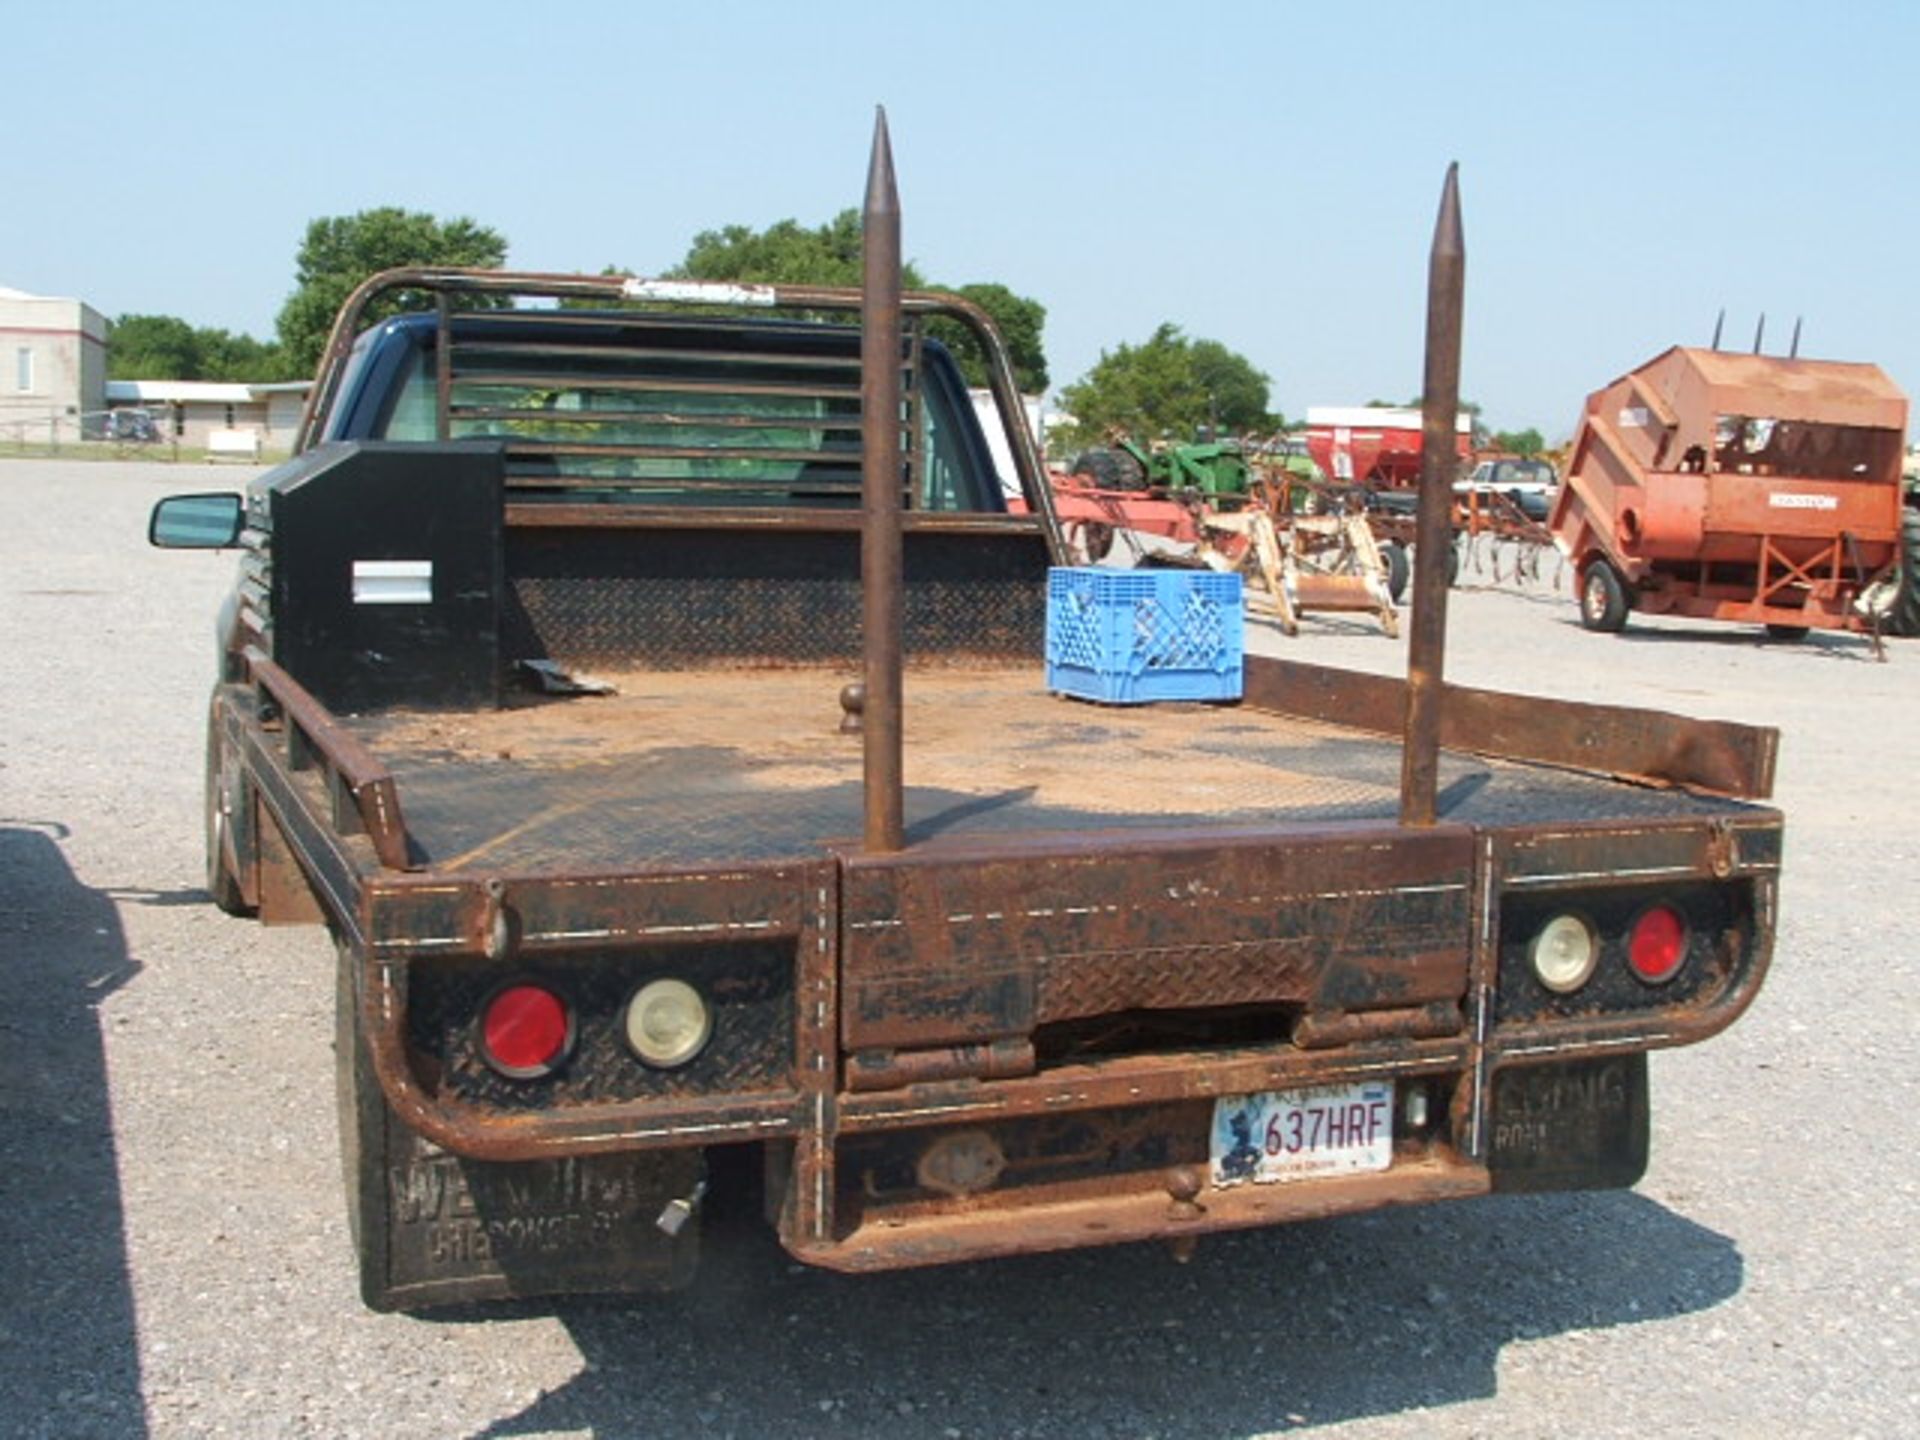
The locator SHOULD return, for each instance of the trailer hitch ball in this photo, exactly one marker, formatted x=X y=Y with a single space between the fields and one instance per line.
x=1183 y=1188
x=853 y=707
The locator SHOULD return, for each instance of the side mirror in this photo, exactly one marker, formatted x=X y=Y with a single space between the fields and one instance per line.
x=197 y=522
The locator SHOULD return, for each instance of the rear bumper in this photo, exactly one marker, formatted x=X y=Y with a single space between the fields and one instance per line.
x=1071 y=1222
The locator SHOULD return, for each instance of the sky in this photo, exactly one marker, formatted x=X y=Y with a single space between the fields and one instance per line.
x=1264 y=175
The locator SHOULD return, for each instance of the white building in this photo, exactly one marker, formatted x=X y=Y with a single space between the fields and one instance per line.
x=212 y=415
x=53 y=368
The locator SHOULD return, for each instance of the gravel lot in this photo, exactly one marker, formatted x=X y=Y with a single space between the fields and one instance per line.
x=173 y=1258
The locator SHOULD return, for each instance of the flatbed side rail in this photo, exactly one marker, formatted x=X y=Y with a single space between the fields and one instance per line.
x=1649 y=746
x=361 y=794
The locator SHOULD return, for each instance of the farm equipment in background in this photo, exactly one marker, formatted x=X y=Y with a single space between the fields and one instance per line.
x=1304 y=543
x=1745 y=488
x=1126 y=488
x=1303 y=563
x=1271 y=521
x=1213 y=467
x=1373 y=445
x=1371 y=457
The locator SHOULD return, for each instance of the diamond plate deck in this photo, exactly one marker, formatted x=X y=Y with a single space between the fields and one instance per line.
x=705 y=766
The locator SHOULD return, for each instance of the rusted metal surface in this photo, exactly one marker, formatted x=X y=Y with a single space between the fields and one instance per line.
x=408 y=917
x=1426 y=650
x=363 y=789
x=1719 y=757
x=944 y=947
x=890 y=1069
x=653 y=775
x=1738 y=487
x=880 y=563
x=1074 y=1222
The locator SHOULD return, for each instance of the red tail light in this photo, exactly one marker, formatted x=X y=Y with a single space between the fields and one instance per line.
x=1658 y=944
x=525 y=1031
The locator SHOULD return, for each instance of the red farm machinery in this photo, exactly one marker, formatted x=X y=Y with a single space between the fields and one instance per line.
x=1745 y=488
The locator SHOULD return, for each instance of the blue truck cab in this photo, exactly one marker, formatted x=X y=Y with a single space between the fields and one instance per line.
x=672 y=408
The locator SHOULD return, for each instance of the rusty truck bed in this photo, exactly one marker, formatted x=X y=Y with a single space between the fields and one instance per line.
x=691 y=767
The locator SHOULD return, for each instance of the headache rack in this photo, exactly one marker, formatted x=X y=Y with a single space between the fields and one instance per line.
x=611 y=388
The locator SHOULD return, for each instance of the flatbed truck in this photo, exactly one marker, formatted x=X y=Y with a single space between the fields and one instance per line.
x=552 y=684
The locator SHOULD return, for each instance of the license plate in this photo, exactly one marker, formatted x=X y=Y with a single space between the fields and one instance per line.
x=1303 y=1134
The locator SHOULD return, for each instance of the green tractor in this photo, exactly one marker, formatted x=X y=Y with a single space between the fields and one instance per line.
x=1213 y=468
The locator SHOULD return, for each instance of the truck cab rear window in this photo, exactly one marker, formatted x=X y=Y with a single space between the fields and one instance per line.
x=679 y=428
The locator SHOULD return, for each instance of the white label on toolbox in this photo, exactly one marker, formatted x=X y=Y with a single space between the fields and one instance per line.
x=1783 y=501
x=393 y=582
x=1302 y=1134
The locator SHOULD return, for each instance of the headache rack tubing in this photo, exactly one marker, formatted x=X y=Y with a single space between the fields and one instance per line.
x=446 y=284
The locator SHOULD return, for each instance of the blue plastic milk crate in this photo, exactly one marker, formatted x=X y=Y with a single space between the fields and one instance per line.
x=1130 y=636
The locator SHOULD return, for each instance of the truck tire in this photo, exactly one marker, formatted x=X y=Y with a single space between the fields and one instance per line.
x=1903 y=616
x=222 y=888
x=431 y=1228
x=1603 y=598
x=1111 y=469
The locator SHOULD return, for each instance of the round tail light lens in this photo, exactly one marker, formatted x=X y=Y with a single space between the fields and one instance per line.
x=1658 y=945
x=668 y=1023
x=1563 y=953
x=524 y=1031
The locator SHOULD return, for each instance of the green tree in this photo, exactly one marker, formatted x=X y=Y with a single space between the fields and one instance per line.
x=1021 y=321
x=152 y=347
x=1169 y=386
x=341 y=251
x=789 y=253
x=785 y=253
x=165 y=347
x=1525 y=443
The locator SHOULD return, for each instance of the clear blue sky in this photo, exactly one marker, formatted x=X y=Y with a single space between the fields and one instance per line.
x=1260 y=174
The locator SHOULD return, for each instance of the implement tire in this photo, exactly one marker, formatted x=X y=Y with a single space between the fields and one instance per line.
x=1603 y=598
x=1088 y=541
x=1394 y=556
x=1903 y=616
x=1111 y=469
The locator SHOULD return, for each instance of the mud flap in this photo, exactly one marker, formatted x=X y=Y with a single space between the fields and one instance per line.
x=432 y=1228
x=1577 y=1126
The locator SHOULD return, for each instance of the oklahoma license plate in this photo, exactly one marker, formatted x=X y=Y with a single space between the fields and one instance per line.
x=1301 y=1134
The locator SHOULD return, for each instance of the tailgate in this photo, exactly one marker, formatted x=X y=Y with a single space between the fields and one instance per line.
x=1056 y=948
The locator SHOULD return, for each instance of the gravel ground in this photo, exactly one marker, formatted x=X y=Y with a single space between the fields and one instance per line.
x=173 y=1258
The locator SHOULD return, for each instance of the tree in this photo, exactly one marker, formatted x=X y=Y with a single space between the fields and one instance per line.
x=1168 y=386
x=152 y=347
x=788 y=253
x=1021 y=322
x=1524 y=443
x=341 y=251
x=164 y=347
x=785 y=253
